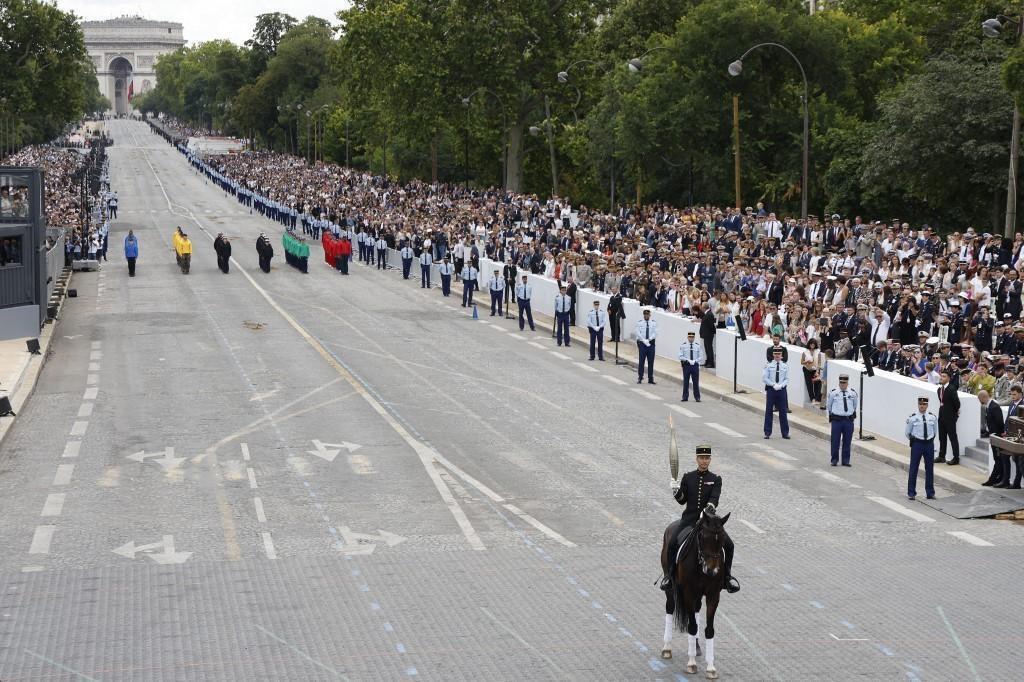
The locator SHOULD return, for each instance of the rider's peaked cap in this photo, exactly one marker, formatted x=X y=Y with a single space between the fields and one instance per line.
x=703 y=449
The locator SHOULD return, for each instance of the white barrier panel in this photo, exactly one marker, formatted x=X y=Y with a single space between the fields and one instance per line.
x=753 y=356
x=889 y=398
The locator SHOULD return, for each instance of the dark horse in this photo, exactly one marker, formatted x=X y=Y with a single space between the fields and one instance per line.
x=699 y=573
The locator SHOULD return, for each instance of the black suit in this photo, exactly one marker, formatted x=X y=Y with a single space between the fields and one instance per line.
x=708 y=329
x=616 y=314
x=949 y=412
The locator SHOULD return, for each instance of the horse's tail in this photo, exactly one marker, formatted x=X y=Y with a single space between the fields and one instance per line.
x=680 y=613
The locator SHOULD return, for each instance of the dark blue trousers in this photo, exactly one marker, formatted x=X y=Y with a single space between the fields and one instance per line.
x=691 y=373
x=596 y=339
x=776 y=400
x=921 y=449
x=562 y=330
x=467 y=292
x=842 y=431
x=645 y=353
x=524 y=307
x=406 y=267
x=496 y=297
x=446 y=285
x=382 y=259
x=424 y=276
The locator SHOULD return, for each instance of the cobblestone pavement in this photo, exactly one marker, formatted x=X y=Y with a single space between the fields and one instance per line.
x=293 y=476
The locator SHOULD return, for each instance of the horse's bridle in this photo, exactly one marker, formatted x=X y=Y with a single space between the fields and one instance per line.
x=701 y=559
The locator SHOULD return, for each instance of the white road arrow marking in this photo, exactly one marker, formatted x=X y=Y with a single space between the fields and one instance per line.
x=167 y=556
x=363 y=543
x=328 y=451
x=168 y=461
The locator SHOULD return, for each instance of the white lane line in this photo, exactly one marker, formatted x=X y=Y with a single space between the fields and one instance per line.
x=78 y=428
x=751 y=526
x=252 y=477
x=537 y=345
x=491 y=495
x=724 y=429
x=53 y=505
x=967 y=537
x=585 y=367
x=63 y=475
x=41 y=540
x=96 y=345
x=829 y=476
x=261 y=516
x=682 y=410
x=899 y=508
x=558 y=355
x=768 y=460
x=85 y=410
x=268 y=546
x=427 y=455
x=91 y=380
x=94 y=366
x=96 y=355
x=772 y=451
x=614 y=380
x=71 y=448
x=245 y=451
x=645 y=394
x=90 y=393
x=539 y=526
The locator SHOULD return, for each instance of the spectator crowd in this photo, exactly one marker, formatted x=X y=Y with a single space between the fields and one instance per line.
x=923 y=304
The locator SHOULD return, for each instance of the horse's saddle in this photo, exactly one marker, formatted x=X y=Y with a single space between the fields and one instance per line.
x=683 y=539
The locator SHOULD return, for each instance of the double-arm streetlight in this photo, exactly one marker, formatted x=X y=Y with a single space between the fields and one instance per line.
x=563 y=77
x=736 y=68
x=993 y=28
x=504 y=131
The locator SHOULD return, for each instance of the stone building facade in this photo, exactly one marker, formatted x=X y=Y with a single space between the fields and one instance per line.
x=124 y=51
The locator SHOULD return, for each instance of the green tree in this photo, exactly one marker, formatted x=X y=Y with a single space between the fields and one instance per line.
x=266 y=36
x=941 y=142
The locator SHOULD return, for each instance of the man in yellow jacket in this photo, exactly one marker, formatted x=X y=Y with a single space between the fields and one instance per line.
x=185 y=252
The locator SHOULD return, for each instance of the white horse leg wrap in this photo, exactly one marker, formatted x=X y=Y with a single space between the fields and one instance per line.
x=691 y=645
x=709 y=651
x=669 y=626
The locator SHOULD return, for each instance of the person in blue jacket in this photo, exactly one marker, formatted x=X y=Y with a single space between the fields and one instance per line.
x=131 y=251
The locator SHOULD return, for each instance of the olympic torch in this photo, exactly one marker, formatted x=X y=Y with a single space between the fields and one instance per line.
x=673 y=455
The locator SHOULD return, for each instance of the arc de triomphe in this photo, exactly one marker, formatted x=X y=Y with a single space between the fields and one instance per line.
x=124 y=51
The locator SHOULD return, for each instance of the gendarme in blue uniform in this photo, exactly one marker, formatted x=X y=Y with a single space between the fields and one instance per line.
x=922 y=427
x=842 y=411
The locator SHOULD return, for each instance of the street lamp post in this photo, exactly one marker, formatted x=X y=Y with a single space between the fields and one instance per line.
x=535 y=131
x=736 y=68
x=504 y=129
x=563 y=77
x=992 y=28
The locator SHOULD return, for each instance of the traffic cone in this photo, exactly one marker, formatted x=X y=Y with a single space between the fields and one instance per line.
x=475 y=315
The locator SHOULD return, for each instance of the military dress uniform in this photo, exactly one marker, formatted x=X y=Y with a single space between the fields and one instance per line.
x=691 y=356
x=407 y=254
x=469 y=275
x=776 y=380
x=496 y=285
x=842 y=412
x=596 y=320
x=524 y=294
x=697 y=489
x=445 y=270
x=646 y=332
x=562 y=306
x=426 y=260
x=921 y=430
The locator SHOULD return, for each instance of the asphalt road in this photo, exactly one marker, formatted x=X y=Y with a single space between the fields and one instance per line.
x=289 y=476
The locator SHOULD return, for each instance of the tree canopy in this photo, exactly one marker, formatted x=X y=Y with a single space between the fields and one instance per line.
x=910 y=106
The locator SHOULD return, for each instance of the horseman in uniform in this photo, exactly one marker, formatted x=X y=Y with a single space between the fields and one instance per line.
x=698 y=490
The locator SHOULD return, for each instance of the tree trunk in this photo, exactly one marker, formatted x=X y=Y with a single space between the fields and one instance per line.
x=433 y=157
x=997 y=217
x=515 y=156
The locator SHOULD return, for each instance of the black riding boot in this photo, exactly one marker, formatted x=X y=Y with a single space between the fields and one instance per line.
x=732 y=586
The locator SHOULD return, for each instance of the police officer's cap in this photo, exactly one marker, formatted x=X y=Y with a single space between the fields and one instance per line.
x=923 y=400
x=704 y=450
x=691 y=333
x=844 y=377
x=777 y=351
